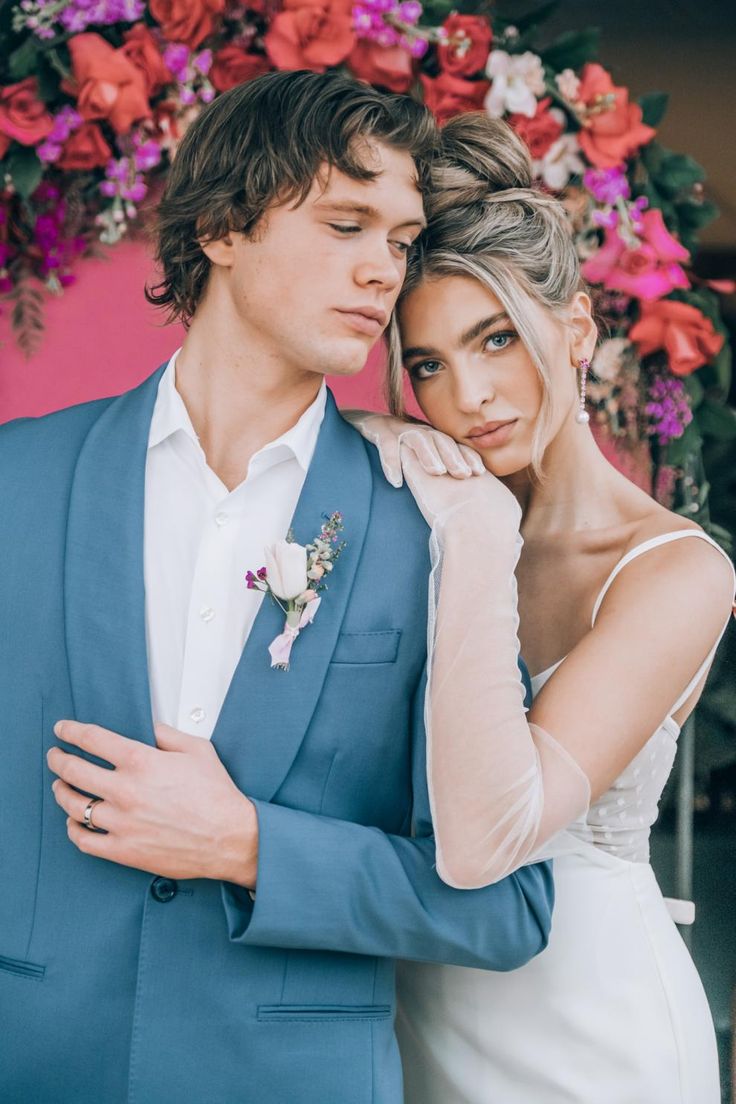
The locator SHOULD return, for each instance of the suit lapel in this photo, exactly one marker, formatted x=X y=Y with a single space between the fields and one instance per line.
x=267 y=712
x=104 y=592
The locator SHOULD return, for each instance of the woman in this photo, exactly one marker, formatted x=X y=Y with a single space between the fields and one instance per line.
x=621 y=605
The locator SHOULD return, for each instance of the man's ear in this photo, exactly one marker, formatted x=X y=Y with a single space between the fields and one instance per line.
x=220 y=251
x=584 y=332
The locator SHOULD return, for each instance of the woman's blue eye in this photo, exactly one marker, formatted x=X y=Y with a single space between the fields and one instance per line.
x=425 y=370
x=500 y=340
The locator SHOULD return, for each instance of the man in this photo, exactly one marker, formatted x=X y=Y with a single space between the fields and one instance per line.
x=218 y=925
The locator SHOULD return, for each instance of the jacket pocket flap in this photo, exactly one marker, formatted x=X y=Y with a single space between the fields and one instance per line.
x=367 y=647
x=23 y=969
x=323 y=1013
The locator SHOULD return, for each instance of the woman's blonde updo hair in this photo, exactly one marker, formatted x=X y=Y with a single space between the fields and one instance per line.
x=487 y=222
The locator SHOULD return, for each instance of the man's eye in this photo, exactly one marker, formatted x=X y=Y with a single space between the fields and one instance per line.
x=343 y=228
x=402 y=246
x=425 y=369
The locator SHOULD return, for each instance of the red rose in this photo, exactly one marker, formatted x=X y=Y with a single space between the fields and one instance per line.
x=389 y=66
x=140 y=48
x=106 y=83
x=467 y=46
x=187 y=21
x=233 y=65
x=310 y=35
x=539 y=133
x=446 y=95
x=612 y=128
x=86 y=149
x=686 y=335
x=22 y=115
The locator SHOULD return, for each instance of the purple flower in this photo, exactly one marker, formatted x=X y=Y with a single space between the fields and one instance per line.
x=606 y=185
x=668 y=409
x=147 y=156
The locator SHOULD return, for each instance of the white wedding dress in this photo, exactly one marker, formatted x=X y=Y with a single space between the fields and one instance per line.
x=613 y=1010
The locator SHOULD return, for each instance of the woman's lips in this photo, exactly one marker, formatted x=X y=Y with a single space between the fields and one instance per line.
x=492 y=435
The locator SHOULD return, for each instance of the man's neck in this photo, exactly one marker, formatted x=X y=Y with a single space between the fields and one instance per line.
x=239 y=398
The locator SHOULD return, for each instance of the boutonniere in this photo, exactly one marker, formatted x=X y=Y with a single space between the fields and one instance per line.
x=294 y=576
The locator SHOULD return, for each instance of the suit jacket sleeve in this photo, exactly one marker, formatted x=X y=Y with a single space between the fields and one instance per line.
x=326 y=884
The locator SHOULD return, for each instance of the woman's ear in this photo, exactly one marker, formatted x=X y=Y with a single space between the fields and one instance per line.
x=584 y=332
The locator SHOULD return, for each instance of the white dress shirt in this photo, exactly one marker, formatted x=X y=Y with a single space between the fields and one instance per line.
x=199 y=541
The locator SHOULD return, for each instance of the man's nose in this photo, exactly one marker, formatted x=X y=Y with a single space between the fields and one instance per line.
x=380 y=268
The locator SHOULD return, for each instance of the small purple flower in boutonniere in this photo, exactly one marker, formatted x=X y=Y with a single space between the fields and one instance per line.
x=294 y=576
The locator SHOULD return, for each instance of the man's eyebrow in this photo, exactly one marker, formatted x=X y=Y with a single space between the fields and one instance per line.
x=350 y=208
x=465 y=338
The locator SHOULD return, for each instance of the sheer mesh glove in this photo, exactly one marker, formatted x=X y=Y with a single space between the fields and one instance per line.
x=436 y=452
x=501 y=789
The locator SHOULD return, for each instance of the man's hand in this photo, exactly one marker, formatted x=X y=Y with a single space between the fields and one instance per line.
x=172 y=810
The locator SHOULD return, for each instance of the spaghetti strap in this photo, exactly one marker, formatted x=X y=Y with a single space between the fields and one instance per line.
x=646 y=546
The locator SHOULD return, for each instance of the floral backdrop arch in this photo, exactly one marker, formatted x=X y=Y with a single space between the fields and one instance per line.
x=95 y=96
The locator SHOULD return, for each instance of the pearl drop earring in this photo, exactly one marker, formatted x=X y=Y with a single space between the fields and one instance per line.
x=583 y=417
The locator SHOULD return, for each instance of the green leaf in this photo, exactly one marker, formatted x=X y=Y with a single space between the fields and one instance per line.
x=722 y=364
x=715 y=420
x=25 y=170
x=572 y=49
x=532 y=19
x=23 y=61
x=654 y=106
x=679 y=172
x=695 y=391
x=681 y=448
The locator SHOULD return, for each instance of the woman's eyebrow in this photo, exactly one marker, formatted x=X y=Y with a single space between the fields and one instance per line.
x=465 y=338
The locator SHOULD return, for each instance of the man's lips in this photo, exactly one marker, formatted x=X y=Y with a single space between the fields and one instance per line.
x=492 y=433
x=367 y=320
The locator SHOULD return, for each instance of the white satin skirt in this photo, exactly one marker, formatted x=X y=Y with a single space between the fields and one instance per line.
x=611 y=1012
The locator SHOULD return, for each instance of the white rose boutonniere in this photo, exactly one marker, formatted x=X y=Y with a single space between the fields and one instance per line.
x=294 y=576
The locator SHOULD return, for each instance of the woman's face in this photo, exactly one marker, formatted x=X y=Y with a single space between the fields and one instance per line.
x=474 y=378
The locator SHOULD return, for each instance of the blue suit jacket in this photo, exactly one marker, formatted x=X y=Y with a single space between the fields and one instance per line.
x=118 y=988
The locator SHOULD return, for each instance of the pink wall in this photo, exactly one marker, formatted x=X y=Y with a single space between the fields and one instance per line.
x=103 y=338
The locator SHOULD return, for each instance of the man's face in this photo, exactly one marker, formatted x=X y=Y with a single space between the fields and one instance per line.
x=316 y=283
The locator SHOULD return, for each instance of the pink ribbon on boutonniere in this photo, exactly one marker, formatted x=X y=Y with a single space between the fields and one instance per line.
x=280 y=648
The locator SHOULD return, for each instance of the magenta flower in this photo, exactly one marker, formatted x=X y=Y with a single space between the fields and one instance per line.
x=649 y=271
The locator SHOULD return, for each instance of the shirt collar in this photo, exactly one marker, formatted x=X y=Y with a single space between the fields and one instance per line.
x=170 y=416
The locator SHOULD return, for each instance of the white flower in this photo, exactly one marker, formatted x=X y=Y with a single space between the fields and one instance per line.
x=518 y=79
x=609 y=357
x=286 y=569
x=568 y=85
x=561 y=161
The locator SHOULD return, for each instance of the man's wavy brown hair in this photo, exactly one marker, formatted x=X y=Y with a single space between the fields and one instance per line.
x=262 y=144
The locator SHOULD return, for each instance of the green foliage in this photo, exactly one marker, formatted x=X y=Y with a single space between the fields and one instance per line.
x=23 y=62
x=24 y=168
x=572 y=50
x=716 y=420
x=654 y=107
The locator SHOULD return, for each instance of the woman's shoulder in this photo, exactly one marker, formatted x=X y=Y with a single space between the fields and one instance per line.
x=666 y=550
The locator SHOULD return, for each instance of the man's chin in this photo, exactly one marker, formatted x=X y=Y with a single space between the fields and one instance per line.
x=349 y=359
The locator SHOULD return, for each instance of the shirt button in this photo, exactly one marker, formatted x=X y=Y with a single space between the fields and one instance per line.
x=163 y=889
x=221 y=519
x=206 y=613
x=198 y=714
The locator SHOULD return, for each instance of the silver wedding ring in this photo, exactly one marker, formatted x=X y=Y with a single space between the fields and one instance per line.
x=87 y=815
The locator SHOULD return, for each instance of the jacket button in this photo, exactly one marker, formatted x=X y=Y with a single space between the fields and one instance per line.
x=163 y=889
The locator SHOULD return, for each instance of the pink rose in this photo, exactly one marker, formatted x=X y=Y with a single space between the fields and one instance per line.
x=649 y=271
